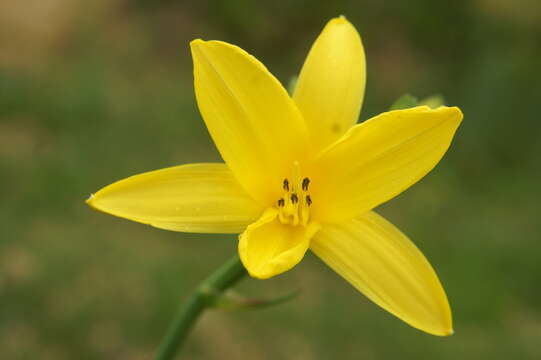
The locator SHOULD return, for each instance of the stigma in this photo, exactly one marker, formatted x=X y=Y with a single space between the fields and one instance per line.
x=294 y=205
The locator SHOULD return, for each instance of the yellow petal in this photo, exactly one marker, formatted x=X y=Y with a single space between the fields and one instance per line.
x=383 y=264
x=202 y=198
x=256 y=126
x=379 y=158
x=268 y=247
x=330 y=88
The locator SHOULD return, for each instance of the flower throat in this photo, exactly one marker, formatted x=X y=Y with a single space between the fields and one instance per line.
x=294 y=205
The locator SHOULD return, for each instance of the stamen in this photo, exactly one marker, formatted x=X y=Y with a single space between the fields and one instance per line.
x=294 y=205
x=294 y=198
x=305 y=183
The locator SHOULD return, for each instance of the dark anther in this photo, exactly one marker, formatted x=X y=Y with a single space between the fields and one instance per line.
x=286 y=185
x=281 y=203
x=308 y=200
x=294 y=198
x=305 y=183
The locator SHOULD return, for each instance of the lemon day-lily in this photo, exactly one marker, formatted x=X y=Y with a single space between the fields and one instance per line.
x=300 y=174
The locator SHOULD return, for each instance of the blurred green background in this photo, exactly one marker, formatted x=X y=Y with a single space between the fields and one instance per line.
x=92 y=92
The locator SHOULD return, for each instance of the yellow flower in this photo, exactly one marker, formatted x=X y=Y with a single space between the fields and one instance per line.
x=299 y=173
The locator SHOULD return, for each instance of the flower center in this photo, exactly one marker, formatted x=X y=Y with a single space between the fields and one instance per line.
x=294 y=205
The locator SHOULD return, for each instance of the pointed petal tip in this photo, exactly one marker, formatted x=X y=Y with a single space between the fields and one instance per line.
x=341 y=19
x=439 y=324
x=199 y=43
x=458 y=112
x=454 y=113
x=196 y=43
x=341 y=22
x=90 y=201
x=441 y=327
x=93 y=202
x=452 y=109
x=448 y=331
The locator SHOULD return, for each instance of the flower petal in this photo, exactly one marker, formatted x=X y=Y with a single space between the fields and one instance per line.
x=331 y=84
x=379 y=158
x=191 y=198
x=268 y=247
x=382 y=263
x=256 y=126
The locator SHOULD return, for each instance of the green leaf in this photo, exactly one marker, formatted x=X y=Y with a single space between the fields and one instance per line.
x=406 y=101
x=433 y=101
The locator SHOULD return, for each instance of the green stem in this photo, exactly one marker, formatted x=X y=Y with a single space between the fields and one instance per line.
x=223 y=278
